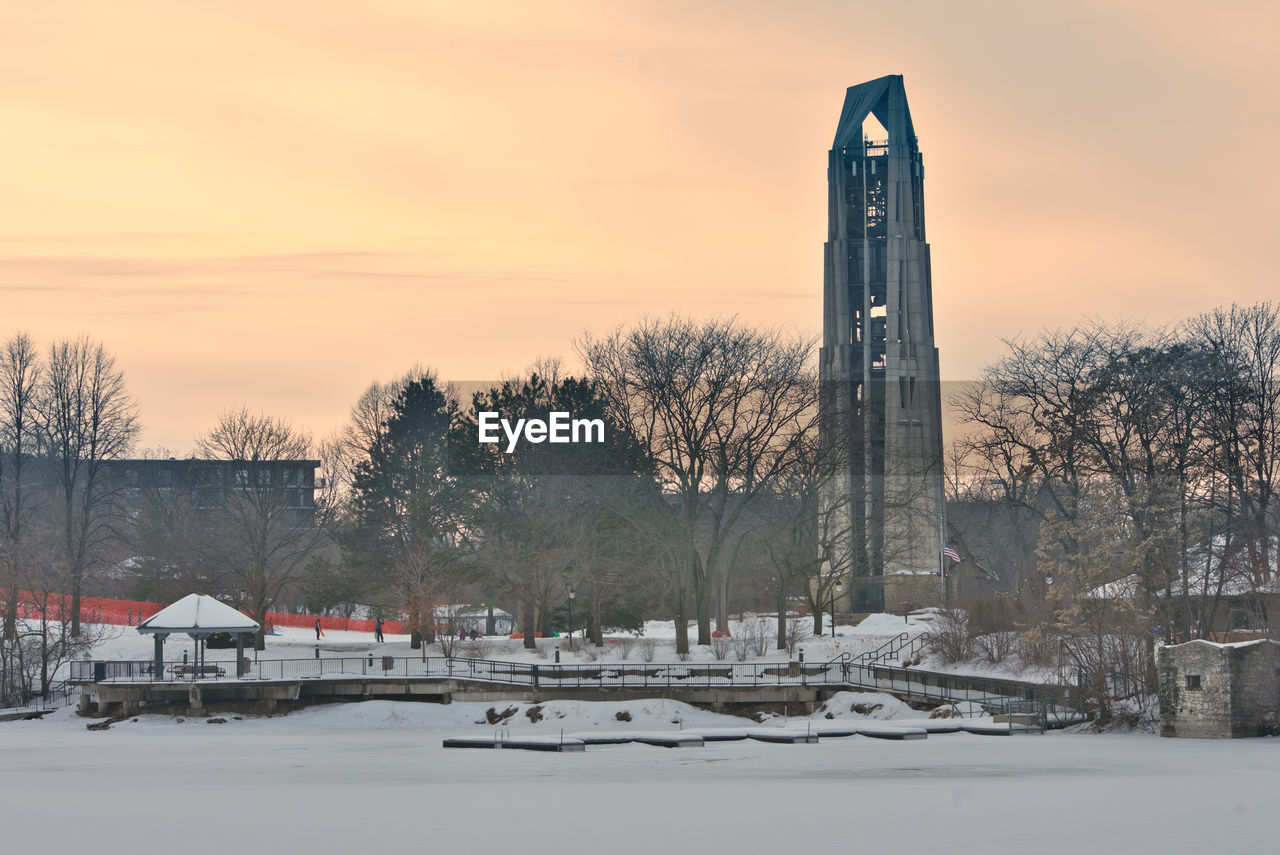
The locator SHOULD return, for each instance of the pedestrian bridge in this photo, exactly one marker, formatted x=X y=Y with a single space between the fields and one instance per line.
x=126 y=686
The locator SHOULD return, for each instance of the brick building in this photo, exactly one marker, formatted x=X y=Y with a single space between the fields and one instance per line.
x=206 y=485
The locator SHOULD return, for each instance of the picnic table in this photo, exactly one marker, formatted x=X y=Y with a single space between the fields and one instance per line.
x=190 y=670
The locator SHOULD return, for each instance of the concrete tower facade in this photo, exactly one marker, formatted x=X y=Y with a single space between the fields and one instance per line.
x=882 y=410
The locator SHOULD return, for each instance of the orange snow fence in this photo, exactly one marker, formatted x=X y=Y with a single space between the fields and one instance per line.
x=48 y=606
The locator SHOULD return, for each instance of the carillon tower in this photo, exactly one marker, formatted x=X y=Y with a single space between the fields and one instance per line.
x=882 y=518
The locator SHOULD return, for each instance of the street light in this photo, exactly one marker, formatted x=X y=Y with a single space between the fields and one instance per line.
x=572 y=594
x=835 y=592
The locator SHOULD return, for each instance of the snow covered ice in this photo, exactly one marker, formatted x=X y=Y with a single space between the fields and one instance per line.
x=360 y=777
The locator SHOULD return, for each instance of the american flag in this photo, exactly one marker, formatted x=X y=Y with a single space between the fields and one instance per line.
x=950 y=553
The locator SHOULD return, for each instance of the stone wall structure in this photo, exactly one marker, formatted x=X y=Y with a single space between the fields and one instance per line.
x=1219 y=691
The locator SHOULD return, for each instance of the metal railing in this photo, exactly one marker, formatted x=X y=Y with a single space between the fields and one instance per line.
x=620 y=675
x=57 y=695
x=894 y=648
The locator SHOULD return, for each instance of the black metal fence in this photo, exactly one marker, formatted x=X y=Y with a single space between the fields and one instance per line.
x=621 y=675
x=57 y=695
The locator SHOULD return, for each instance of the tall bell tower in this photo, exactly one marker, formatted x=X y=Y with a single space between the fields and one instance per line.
x=882 y=406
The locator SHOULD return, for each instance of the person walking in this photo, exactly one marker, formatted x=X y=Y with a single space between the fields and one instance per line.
x=319 y=632
x=377 y=631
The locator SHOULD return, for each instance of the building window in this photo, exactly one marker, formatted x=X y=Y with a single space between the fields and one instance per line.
x=1193 y=682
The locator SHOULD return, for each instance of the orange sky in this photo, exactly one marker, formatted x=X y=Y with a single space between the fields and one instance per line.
x=274 y=204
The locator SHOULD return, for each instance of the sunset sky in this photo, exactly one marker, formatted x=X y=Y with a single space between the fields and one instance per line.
x=275 y=203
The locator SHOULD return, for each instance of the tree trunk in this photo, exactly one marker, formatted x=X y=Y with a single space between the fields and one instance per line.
x=528 y=623
x=260 y=637
x=597 y=631
x=702 y=607
x=11 y=612
x=682 y=632
x=782 y=617
x=722 y=599
x=76 y=579
x=680 y=615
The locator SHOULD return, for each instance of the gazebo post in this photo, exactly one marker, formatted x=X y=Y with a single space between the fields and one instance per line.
x=239 y=654
x=158 y=673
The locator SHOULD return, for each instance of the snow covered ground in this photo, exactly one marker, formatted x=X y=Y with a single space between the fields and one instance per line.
x=366 y=777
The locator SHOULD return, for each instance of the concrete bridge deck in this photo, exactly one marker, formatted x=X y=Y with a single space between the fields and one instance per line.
x=123 y=698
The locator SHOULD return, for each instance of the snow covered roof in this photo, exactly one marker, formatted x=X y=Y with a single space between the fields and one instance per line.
x=1226 y=644
x=198 y=613
x=469 y=611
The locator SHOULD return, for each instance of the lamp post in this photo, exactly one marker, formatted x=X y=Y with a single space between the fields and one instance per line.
x=572 y=594
x=835 y=592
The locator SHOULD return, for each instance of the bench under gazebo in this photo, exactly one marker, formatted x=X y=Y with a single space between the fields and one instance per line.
x=199 y=616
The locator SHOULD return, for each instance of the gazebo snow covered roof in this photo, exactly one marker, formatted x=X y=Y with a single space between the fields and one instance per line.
x=198 y=615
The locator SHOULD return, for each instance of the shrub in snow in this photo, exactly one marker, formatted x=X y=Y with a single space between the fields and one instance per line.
x=950 y=638
x=1038 y=647
x=798 y=630
x=752 y=639
x=623 y=647
x=720 y=644
x=995 y=647
x=647 y=647
x=481 y=648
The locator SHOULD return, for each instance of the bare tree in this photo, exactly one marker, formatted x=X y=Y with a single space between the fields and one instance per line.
x=1242 y=436
x=266 y=530
x=20 y=371
x=88 y=419
x=364 y=434
x=805 y=525
x=718 y=407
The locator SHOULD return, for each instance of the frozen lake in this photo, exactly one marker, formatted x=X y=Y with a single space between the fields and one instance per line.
x=357 y=778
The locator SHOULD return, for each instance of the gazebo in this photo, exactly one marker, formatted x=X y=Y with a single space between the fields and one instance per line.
x=199 y=616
